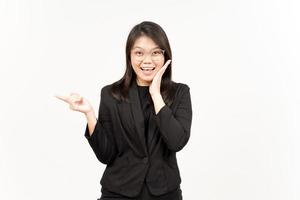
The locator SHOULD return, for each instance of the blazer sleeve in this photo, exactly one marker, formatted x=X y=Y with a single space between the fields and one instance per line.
x=175 y=128
x=101 y=140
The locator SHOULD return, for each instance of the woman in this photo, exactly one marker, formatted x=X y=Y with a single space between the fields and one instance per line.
x=143 y=120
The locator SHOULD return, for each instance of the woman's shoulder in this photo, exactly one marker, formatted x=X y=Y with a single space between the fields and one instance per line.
x=180 y=86
x=106 y=88
x=105 y=91
x=111 y=92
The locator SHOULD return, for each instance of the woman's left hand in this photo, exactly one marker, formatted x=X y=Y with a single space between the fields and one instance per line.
x=154 y=88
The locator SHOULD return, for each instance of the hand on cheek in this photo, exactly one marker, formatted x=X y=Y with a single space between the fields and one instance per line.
x=154 y=88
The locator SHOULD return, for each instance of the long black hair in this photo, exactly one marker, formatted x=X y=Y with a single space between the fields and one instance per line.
x=154 y=31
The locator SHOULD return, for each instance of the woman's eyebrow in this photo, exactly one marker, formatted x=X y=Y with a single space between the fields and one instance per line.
x=157 y=47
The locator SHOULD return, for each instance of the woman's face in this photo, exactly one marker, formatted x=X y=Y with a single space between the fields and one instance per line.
x=146 y=60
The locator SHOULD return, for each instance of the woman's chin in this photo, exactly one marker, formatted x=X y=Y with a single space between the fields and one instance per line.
x=145 y=80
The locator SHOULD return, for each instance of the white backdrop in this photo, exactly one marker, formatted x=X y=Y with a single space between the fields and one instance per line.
x=240 y=59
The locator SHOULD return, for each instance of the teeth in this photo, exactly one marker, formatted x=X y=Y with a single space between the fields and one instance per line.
x=147 y=68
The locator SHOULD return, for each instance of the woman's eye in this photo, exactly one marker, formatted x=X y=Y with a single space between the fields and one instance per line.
x=157 y=52
x=139 y=53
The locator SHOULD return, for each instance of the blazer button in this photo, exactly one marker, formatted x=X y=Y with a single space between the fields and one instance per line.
x=145 y=160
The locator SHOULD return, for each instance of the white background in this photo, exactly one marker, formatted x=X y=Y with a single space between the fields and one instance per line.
x=240 y=59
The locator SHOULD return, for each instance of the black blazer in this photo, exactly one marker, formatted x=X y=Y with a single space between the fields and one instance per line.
x=118 y=140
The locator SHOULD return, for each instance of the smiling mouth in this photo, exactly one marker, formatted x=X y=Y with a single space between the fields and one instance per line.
x=147 y=68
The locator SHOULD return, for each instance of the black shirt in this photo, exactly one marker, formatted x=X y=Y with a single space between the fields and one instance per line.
x=146 y=105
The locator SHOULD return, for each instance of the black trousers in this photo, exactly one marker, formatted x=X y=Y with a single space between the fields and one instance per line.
x=144 y=195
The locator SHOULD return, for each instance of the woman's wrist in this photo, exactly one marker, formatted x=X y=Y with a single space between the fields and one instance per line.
x=156 y=95
x=90 y=114
x=158 y=102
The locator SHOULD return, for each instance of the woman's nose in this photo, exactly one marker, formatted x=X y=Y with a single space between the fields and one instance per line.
x=147 y=59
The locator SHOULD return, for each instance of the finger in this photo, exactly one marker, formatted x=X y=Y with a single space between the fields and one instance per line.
x=163 y=69
x=77 y=100
x=167 y=63
x=75 y=97
x=73 y=106
x=65 y=99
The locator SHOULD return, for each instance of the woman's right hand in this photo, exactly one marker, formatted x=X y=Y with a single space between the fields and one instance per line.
x=77 y=102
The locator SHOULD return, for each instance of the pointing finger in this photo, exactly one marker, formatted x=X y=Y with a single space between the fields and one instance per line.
x=65 y=99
